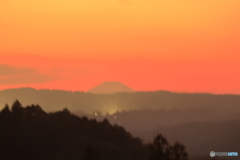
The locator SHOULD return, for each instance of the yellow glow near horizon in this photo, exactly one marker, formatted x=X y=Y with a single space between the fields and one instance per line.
x=111 y=112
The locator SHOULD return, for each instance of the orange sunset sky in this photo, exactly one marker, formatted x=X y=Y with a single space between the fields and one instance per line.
x=176 y=45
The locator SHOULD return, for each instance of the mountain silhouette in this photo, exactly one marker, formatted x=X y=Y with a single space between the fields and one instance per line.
x=109 y=87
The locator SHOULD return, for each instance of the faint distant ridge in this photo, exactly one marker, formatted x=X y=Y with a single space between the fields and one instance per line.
x=110 y=87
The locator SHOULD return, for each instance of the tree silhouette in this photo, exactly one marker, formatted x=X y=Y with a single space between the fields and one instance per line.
x=16 y=107
x=161 y=150
x=179 y=152
x=6 y=111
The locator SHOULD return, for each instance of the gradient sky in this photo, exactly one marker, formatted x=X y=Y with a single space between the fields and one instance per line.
x=176 y=45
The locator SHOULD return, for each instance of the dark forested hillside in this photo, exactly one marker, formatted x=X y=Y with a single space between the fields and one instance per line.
x=29 y=133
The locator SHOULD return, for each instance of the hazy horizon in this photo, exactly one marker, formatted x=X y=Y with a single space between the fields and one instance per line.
x=87 y=91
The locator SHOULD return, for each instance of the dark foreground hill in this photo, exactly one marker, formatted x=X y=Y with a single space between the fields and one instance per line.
x=29 y=133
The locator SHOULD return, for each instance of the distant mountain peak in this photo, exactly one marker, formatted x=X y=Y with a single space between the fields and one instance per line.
x=109 y=87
